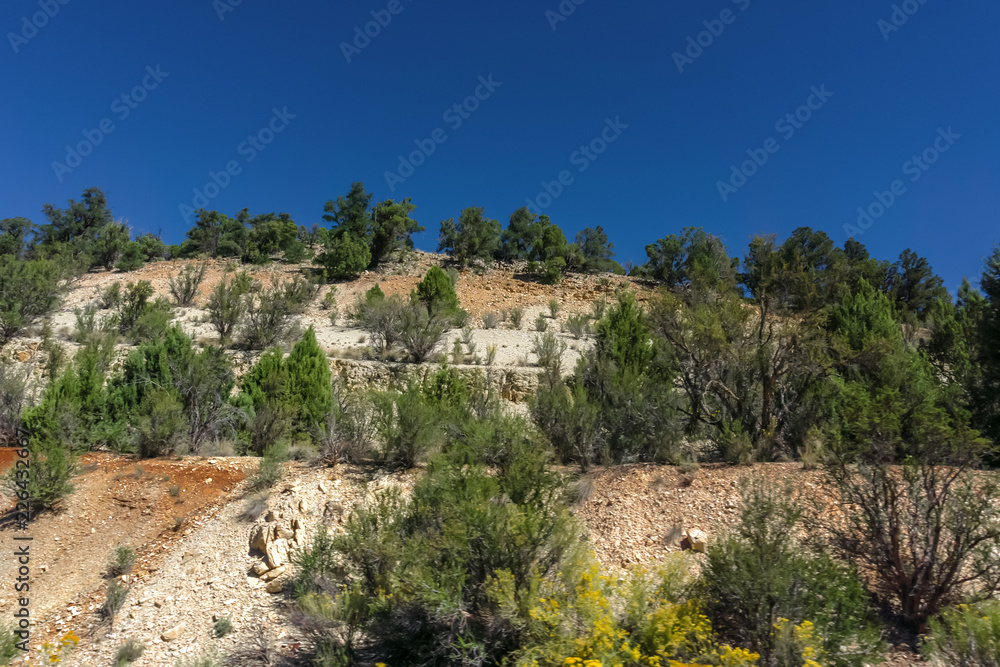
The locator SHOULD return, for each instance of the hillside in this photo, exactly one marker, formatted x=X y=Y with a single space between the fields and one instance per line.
x=197 y=531
x=493 y=291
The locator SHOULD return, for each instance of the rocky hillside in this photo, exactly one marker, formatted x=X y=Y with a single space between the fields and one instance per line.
x=209 y=549
x=481 y=294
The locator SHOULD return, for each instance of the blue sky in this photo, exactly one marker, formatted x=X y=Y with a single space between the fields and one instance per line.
x=558 y=81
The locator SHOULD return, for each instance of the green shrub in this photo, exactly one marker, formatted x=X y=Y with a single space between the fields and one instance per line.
x=965 y=636
x=329 y=304
x=422 y=331
x=474 y=238
x=298 y=293
x=114 y=601
x=598 y=308
x=570 y=419
x=382 y=318
x=554 y=307
x=152 y=247
x=416 y=577
x=161 y=424
x=56 y=357
x=296 y=252
x=122 y=561
x=761 y=574
x=541 y=323
x=266 y=399
x=222 y=627
x=132 y=305
x=87 y=324
x=549 y=351
x=129 y=652
x=346 y=256
x=152 y=323
x=14 y=397
x=553 y=270
x=132 y=258
x=111 y=296
x=624 y=337
x=73 y=411
x=621 y=405
x=201 y=381
x=268 y=316
x=226 y=305
x=448 y=392
x=8 y=644
x=29 y=290
x=516 y=318
x=53 y=467
x=578 y=325
x=491 y=321
x=408 y=428
x=184 y=286
x=106 y=246
x=350 y=431
x=374 y=294
x=270 y=470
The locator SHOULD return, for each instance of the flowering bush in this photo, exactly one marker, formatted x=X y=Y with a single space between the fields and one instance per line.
x=586 y=618
x=55 y=653
x=966 y=635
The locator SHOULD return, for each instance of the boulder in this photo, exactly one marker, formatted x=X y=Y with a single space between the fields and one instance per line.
x=695 y=540
x=276 y=585
x=259 y=537
x=277 y=553
x=275 y=573
x=173 y=633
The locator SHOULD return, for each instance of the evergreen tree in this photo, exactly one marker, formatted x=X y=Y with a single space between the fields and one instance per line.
x=437 y=291
x=522 y=233
x=902 y=454
x=269 y=234
x=350 y=214
x=695 y=255
x=15 y=235
x=392 y=228
x=29 y=290
x=914 y=286
x=556 y=254
x=988 y=396
x=108 y=244
x=346 y=256
x=597 y=251
x=217 y=235
x=814 y=270
x=862 y=266
x=473 y=238
x=310 y=381
x=78 y=224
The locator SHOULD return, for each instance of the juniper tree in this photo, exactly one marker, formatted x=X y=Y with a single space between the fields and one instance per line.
x=310 y=380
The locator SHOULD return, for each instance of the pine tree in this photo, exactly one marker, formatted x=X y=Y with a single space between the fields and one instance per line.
x=437 y=291
x=310 y=381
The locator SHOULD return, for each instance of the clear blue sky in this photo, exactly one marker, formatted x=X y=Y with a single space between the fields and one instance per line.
x=607 y=60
